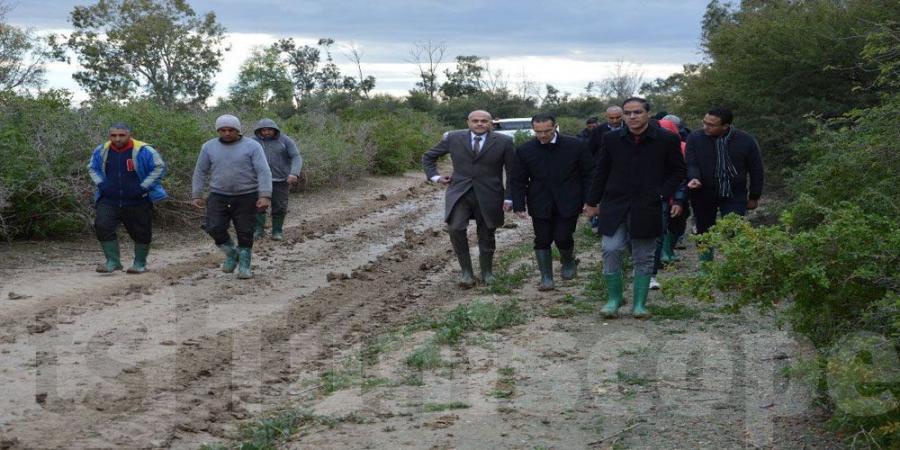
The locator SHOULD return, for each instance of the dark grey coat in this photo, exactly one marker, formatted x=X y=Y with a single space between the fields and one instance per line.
x=483 y=173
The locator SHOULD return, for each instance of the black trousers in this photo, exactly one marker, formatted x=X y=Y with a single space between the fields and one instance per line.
x=554 y=229
x=465 y=209
x=706 y=210
x=138 y=221
x=222 y=210
x=280 y=197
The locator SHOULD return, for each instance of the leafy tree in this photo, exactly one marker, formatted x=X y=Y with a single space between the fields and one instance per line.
x=776 y=62
x=160 y=47
x=466 y=80
x=303 y=63
x=263 y=79
x=21 y=58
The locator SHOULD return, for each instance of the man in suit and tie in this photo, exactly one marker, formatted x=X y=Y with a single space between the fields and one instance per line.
x=475 y=189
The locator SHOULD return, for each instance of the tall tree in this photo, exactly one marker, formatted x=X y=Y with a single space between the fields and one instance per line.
x=466 y=80
x=161 y=48
x=427 y=56
x=21 y=58
x=303 y=62
x=263 y=79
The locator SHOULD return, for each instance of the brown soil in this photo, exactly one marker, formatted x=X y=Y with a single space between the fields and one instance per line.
x=185 y=354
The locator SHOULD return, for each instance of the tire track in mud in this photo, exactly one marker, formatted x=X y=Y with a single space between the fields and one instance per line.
x=132 y=392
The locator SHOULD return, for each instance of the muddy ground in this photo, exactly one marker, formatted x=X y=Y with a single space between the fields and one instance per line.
x=337 y=343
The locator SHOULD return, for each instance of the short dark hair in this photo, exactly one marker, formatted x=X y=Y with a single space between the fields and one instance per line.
x=643 y=101
x=592 y=119
x=723 y=113
x=543 y=117
x=120 y=126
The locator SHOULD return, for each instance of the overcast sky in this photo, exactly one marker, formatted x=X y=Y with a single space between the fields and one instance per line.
x=564 y=43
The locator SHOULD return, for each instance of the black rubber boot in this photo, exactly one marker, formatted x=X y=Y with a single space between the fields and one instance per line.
x=569 y=269
x=461 y=247
x=545 y=266
x=486 y=264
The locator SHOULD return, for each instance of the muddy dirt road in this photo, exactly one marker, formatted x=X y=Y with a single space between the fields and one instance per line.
x=184 y=355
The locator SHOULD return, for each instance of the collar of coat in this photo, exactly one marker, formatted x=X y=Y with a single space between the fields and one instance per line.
x=651 y=133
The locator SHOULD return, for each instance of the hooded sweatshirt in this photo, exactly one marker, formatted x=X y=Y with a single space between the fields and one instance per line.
x=281 y=151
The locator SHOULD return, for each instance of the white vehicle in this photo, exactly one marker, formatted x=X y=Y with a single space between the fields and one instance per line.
x=509 y=127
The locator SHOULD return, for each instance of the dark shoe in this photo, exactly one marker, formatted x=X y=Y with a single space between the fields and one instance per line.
x=244 y=272
x=614 y=295
x=277 y=227
x=140 y=258
x=641 y=289
x=260 y=229
x=231 y=257
x=545 y=266
x=569 y=269
x=486 y=264
x=113 y=262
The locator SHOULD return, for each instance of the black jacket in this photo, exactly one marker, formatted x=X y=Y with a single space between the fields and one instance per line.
x=595 y=140
x=743 y=150
x=552 y=175
x=635 y=178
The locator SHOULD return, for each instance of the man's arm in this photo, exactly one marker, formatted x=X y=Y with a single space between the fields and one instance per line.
x=601 y=174
x=517 y=181
x=691 y=160
x=296 y=158
x=585 y=168
x=755 y=169
x=429 y=159
x=675 y=169
x=201 y=172
x=263 y=173
x=95 y=167
x=159 y=168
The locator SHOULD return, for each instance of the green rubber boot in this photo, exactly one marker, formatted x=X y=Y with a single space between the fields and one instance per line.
x=545 y=266
x=260 y=230
x=667 y=255
x=231 y=256
x=277 y=227
x=244 y=272
x=113 y=262
x=569 y=269
x=140 y=258
x=614 y=289
x=641 y=289
x=486 y=264
x=461 y=249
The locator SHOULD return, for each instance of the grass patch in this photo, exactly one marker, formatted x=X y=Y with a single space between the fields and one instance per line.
x=505 y=387
x=674 y=311
x=507 y=278
x=595 y=287
x=426 y=357
x=267 y=432
x=476 y=316
x=631 y=379
x=438 y=407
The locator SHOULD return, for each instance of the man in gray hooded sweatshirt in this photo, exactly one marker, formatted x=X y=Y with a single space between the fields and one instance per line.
x=285 y=163
x=240 y=183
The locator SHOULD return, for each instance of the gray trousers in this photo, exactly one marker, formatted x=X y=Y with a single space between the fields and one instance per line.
x=467 y=208
x=643 y=251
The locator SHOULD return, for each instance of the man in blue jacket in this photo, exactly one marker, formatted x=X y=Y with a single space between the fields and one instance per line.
x=127 y=173
x=720 y=159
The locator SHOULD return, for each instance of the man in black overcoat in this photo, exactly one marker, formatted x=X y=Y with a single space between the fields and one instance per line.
x=552 y=179
x=637 y=169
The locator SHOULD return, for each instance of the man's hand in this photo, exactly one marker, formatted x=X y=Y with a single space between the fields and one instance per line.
x=445 y=180
x=694 y=184
x=198 y=203
x=591 y=211
x=752 y=204
x=676 y=210
x=293 y=179
x=263 y=202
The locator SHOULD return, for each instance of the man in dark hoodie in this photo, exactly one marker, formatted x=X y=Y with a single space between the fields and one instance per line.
x=127 y=173
x=285 y=163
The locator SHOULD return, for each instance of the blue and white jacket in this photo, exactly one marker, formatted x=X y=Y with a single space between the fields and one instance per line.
x=148 y=165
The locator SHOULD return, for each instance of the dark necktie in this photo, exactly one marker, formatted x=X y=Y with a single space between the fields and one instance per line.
x=477 y=146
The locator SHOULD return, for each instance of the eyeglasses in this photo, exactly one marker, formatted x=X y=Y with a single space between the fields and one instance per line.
x=633 y=113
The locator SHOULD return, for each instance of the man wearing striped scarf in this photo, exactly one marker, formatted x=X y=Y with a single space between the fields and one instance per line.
x=720 y=160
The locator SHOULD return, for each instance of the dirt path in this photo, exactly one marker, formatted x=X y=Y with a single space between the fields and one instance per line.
x=184 y=355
